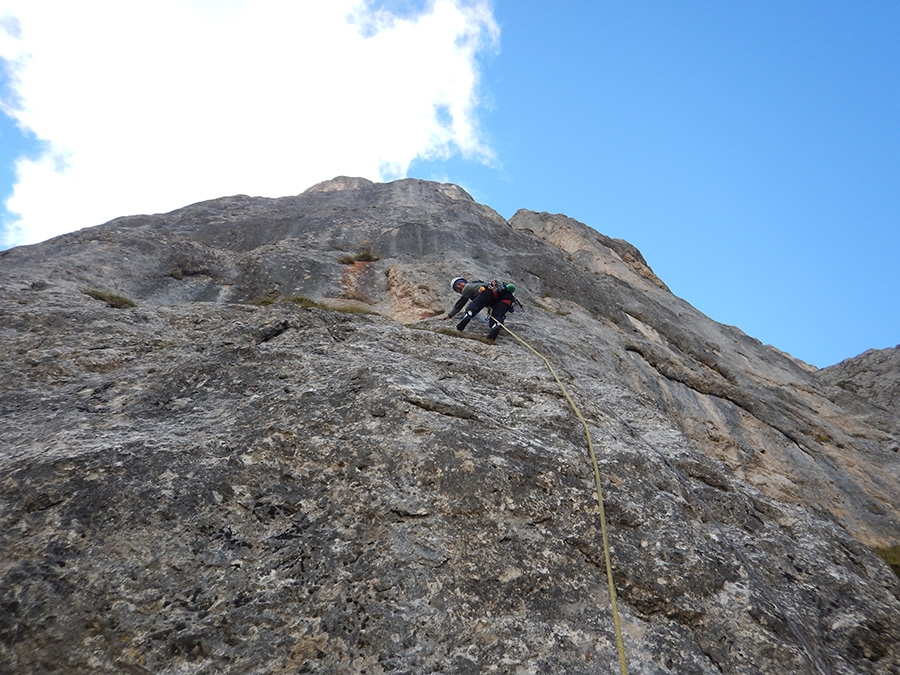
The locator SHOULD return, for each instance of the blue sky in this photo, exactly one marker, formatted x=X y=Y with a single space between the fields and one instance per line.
x=751 y=151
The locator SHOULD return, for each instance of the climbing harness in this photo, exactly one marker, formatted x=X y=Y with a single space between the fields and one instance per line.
x=620 y=644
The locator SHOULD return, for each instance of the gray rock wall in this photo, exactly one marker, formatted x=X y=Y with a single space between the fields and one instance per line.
x=873 y=375
x=200 y=484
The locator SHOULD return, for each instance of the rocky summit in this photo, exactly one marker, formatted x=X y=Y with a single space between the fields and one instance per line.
x=241 y=437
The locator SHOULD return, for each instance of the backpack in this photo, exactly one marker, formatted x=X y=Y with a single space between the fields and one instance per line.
x=498 y=287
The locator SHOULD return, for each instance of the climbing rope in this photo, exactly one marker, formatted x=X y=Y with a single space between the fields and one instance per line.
x=811 y=654
x=799 y=635
x=620 y=644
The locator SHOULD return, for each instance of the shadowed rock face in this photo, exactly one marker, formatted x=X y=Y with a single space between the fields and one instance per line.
x=227 y=478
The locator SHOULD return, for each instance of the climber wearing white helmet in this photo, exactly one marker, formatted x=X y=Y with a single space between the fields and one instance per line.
x=496 y=295
x=467 y=291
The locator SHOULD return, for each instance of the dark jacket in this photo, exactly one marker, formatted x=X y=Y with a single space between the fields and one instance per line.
x=497 y=298
x=469 y=292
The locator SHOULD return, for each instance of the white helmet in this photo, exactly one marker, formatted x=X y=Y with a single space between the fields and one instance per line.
x=456 y=281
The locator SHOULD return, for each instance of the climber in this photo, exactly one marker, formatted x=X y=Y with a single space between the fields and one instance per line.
x=467 y=291
x=498 y=297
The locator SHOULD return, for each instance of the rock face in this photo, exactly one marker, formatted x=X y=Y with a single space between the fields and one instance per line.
x=873 y=375
x=238 y=439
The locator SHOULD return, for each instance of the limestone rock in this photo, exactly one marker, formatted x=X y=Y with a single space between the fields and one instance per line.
x=280 y=460
x=874 y=375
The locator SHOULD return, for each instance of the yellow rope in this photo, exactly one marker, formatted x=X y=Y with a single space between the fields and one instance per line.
x=623 y=664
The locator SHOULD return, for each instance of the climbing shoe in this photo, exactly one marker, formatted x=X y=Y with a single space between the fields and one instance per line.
x=465 y=322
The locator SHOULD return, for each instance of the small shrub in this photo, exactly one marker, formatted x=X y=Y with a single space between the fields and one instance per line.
x=891 y=556
x=361 y=256
x=112 y=300
x=309 y=303
x=356 y=297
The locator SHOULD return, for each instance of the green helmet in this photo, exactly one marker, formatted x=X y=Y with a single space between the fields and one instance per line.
x=511 y=287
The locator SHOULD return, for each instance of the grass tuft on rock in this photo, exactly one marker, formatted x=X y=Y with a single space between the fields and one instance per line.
x=112 y=300
x=305 y=302
x=891 y=556
x=343 y=309
x=360 y=256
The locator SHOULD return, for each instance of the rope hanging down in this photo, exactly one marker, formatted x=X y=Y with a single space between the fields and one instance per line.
x=799 y=635
x=801 y=638
x=620 y=644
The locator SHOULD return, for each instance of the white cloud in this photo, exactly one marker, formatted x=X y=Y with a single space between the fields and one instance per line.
x=148 y=106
